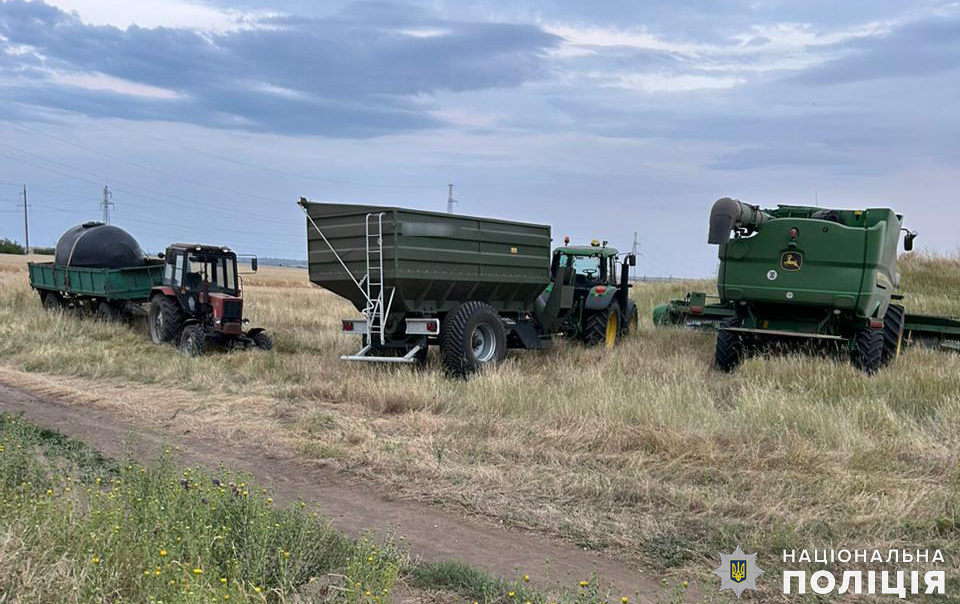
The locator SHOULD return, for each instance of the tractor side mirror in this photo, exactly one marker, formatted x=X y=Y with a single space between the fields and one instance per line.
x=161 y=255
x=632 y=260
x=908 y=240
x=253 y=264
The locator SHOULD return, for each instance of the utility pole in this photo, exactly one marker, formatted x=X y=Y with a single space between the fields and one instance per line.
x=450 y=199
x=26 y=223
x=636 y=246
x=106 y=204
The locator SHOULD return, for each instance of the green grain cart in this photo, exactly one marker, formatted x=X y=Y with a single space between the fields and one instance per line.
x=473 y=286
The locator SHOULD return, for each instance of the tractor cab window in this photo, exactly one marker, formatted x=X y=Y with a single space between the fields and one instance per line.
x=612 y=270
x=173 y=272
x=588 y=269
x=218 y=273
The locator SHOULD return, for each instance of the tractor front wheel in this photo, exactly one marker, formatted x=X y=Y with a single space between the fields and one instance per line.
x=730 y=349
x=165 y=319
x=192 y=340
x=262 y=341
x=633 y=321
x=472 y=338
x=892 y=332
x=867 y=353
x=603 y=327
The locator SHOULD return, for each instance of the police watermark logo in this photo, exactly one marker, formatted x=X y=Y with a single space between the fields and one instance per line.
x=738 y=571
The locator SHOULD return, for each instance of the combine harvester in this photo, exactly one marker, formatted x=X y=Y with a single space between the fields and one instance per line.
x=192 y=294
x=473 y=286
x=797 y=273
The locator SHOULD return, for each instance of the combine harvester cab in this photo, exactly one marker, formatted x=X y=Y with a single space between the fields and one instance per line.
x=474 y=286
x=798 y=272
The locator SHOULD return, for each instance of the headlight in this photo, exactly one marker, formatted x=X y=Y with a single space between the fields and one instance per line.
x=191 y=304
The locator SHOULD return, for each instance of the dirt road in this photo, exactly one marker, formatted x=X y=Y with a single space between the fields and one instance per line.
x=353 y=508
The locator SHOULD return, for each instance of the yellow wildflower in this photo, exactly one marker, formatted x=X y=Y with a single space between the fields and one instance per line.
x=198 y=571
x=584 y=583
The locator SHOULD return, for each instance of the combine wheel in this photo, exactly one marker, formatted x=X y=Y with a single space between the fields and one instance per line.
x=165 y=319
x=868 y=350
x=262 y=341
x=892 y=332
x=52 y=301
x=472 y=338
x=191 y=340
x=730 y=350
x=603 y=327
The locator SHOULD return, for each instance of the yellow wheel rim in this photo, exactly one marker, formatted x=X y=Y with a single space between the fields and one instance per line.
x=611 y=331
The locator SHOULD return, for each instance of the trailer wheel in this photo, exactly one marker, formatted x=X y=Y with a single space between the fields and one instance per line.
x=472 y=338
x=262 y=341
x=191 y=340
x=52 y=301
x=892 y=332
x=603 y=327
x=867 y=354
x=107 y=312
x=165 y=319
x=730 y=349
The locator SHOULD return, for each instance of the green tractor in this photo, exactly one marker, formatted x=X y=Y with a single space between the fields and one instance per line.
x=808 y=274
x=598 y=311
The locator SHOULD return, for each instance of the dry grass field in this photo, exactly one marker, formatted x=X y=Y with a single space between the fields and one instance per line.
x=644 y=451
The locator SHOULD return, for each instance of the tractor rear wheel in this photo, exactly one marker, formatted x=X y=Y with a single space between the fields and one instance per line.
x=191 y=340
x=867 y=353
x=892 y=332
x=472 y=338
x=262 y=341
x=730 y=350
x=633 y=321
x=165 y=319
x=52 y=301
x=603 y=326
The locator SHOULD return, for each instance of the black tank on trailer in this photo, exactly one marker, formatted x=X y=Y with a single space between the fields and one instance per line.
x=98 y=245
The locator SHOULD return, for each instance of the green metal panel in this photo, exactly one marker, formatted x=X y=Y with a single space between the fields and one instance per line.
x=132 y=283
x=434 y=261
x=848 y=266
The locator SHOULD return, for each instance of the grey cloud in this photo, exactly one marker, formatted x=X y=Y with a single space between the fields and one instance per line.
x=350 y=74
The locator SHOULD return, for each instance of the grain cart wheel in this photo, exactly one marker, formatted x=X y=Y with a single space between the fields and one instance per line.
x=892 y=332
x=603 y=327
x=191 y=340
x=472 y=338
x=867 y=352
x=165 y=319
x=730 y=350
x=52 y=301
x=107 y=312
x=262 y=341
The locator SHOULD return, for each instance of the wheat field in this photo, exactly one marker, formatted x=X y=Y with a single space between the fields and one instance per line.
x=644 y=451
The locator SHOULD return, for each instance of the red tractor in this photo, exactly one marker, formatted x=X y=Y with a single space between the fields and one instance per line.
x=201 y=299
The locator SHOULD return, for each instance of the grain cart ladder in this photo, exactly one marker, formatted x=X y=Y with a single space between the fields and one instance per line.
x=374 y=290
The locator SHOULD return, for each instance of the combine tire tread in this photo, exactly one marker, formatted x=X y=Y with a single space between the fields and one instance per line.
x=893 y=323
x=867 y=354
x=730 y=350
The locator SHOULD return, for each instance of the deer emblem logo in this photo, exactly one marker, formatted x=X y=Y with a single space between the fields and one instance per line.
x=791 y=261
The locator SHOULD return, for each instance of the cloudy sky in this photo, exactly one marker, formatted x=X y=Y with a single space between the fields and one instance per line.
x=208 y=120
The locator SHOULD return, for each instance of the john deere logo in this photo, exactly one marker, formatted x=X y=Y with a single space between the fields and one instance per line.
x=738 y=571
x=791 y=261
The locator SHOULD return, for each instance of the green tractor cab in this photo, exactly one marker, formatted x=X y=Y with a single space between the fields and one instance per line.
x=597 y=304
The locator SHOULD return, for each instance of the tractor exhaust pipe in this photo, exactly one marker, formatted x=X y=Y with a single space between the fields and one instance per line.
x=728 y=214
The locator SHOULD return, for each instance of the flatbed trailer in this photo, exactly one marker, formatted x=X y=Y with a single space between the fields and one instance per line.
x=107 y=291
